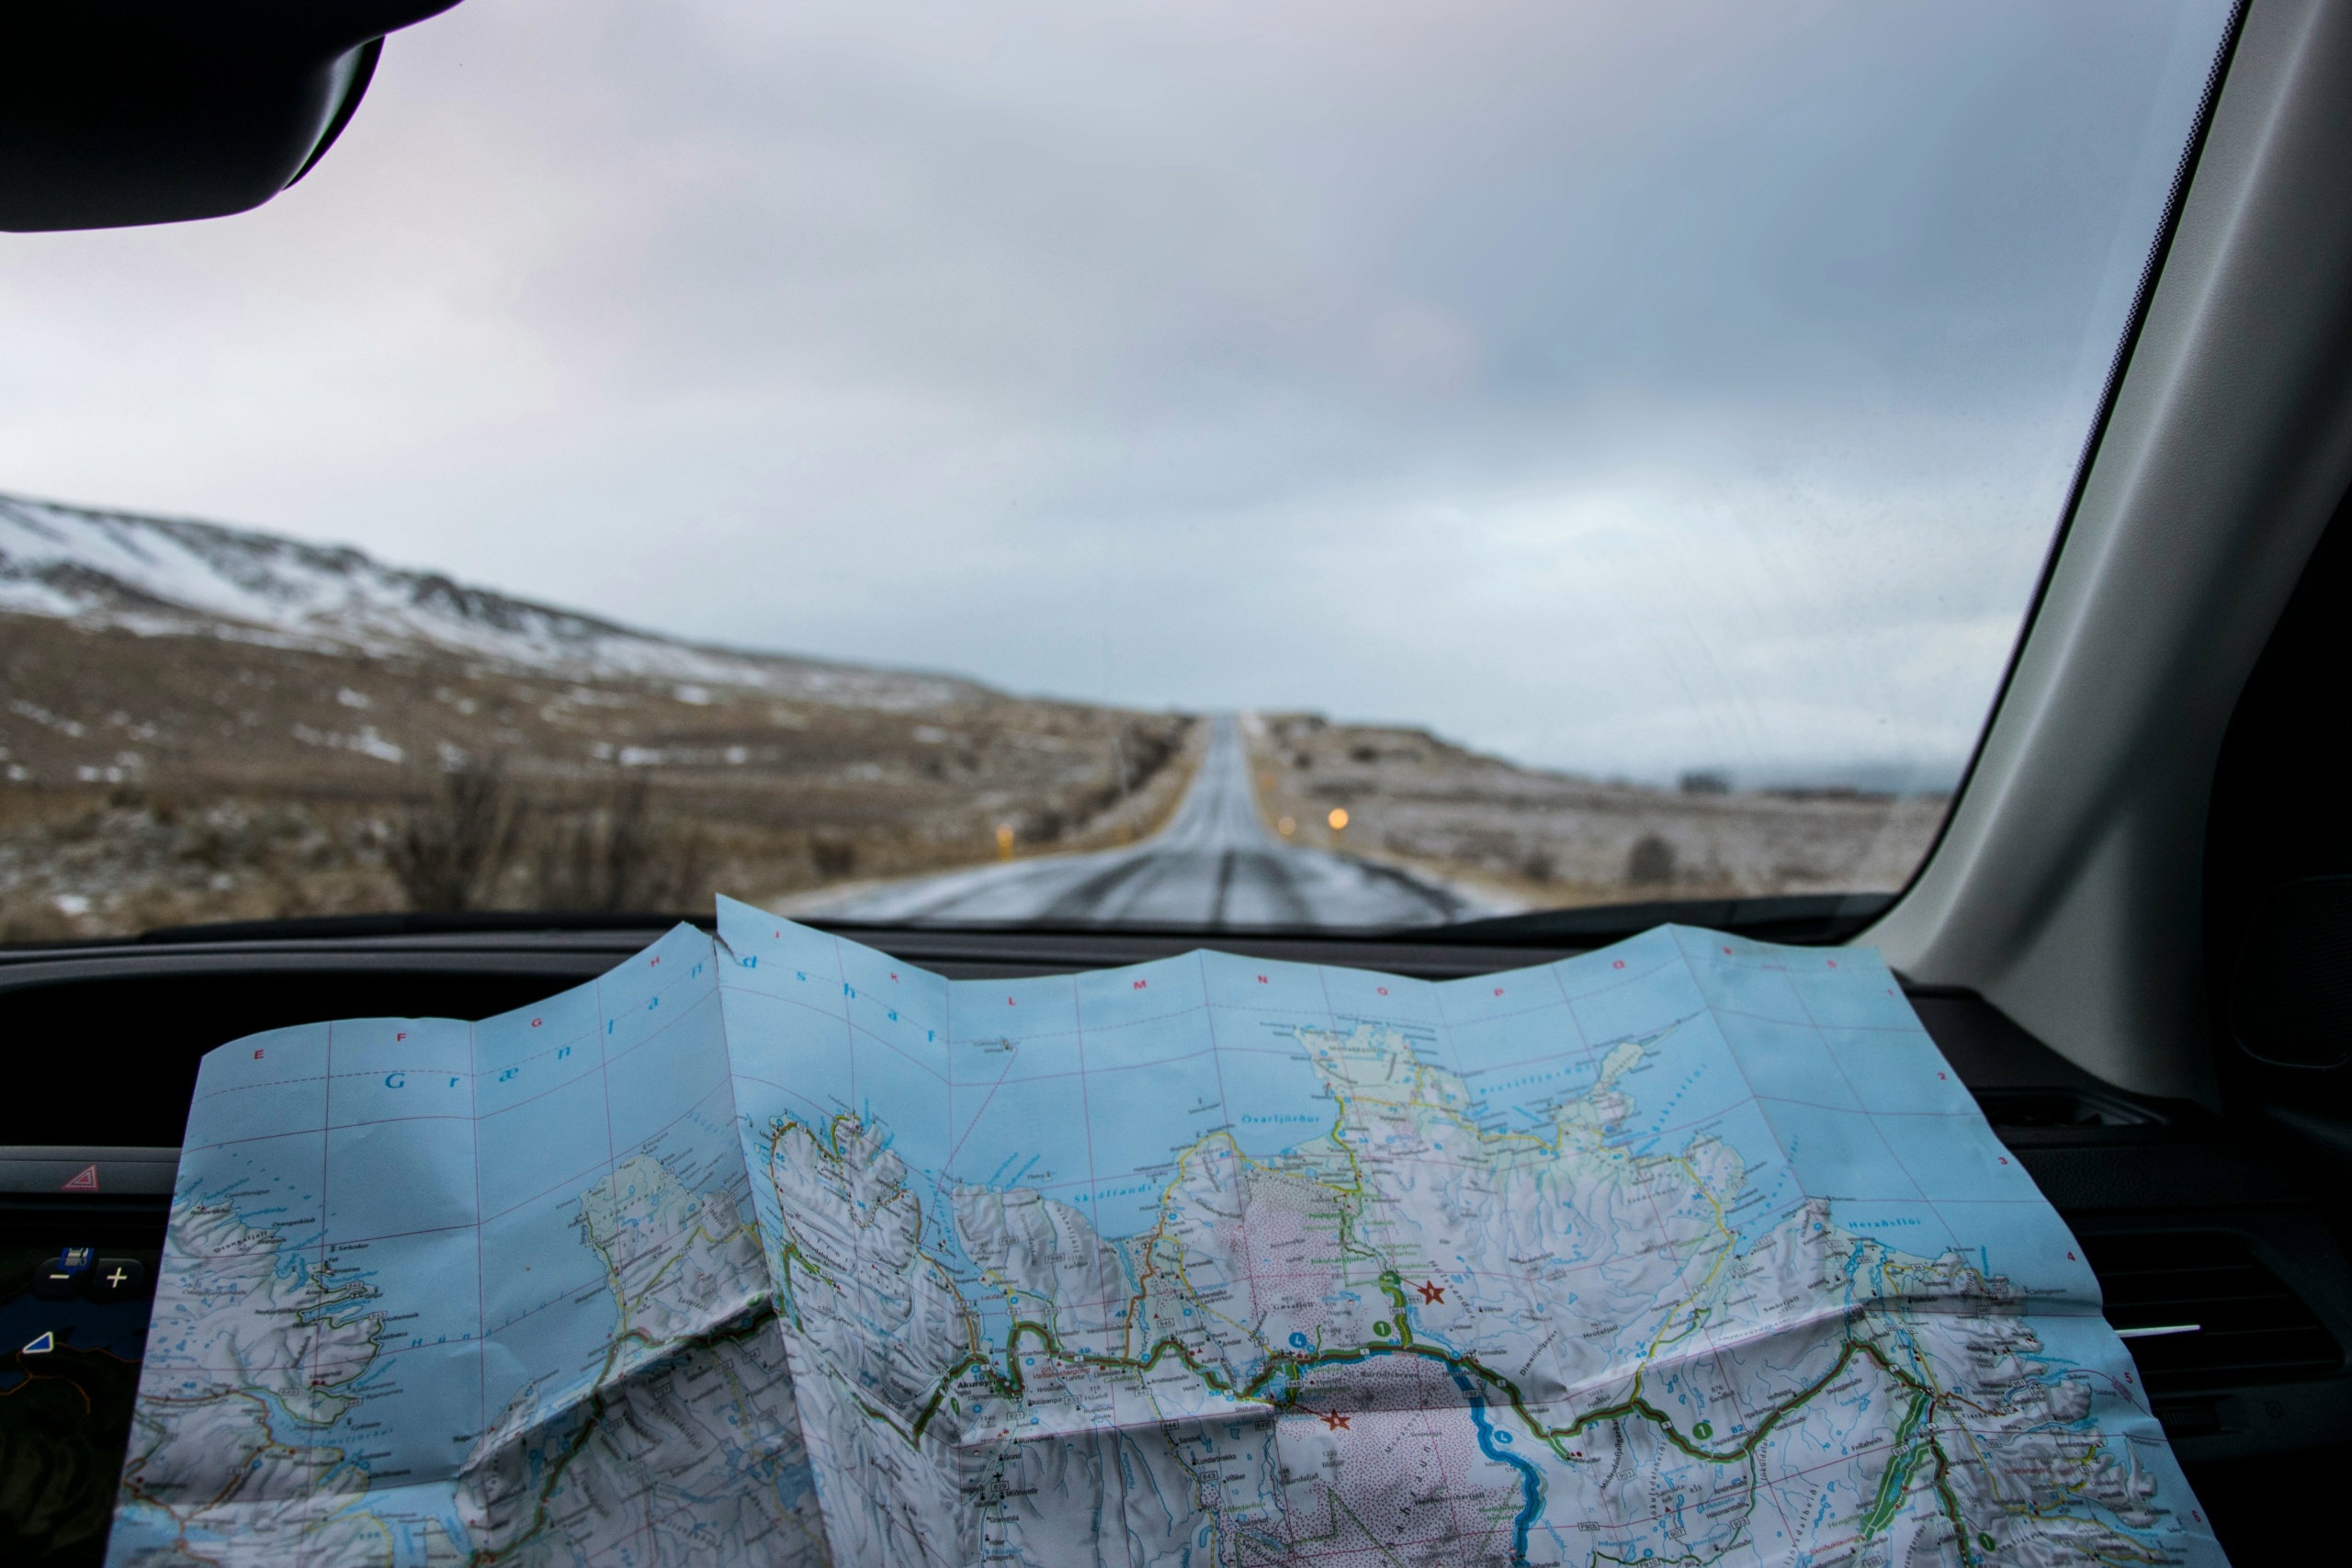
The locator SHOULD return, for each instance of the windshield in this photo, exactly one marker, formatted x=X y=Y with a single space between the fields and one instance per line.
x=1292 y=466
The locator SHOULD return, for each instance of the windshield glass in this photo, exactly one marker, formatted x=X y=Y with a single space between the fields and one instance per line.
x=1290 y=466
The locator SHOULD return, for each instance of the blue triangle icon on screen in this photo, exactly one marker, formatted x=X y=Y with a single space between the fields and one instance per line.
x=42 y=1344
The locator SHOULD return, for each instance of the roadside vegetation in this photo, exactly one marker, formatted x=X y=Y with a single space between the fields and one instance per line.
x=149 y=781
x=1533 y=840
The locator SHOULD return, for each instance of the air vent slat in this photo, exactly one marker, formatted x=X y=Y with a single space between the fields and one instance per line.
x=2187 y=1354
x=2212 y=1314
x=2250 y=1327
x=2190 y=1276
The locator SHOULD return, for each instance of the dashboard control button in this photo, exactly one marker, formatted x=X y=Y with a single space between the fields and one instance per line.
x=61 y=1276
x=115 y=1279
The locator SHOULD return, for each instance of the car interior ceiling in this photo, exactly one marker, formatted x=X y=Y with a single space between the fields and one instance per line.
x=2133 y=941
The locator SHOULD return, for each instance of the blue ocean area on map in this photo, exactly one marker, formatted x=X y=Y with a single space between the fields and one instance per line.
x=769 y=1245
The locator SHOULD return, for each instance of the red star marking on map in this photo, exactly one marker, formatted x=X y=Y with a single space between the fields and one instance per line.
x=1334 y=1420
x=1430 y=1291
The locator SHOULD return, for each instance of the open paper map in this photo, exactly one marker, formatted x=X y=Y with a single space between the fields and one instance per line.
x=1690 y=1250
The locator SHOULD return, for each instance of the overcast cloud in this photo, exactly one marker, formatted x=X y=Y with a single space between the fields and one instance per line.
x=1624 y=388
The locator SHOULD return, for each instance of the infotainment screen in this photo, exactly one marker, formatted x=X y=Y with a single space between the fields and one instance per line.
x=76 y=1289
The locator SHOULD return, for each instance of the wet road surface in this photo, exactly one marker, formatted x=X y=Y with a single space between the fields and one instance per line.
x=1216 y=863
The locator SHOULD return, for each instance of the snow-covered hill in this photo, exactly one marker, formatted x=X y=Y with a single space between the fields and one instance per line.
x=170 y=576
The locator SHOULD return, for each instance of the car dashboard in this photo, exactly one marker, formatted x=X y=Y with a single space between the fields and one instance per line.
x=2218 y=1266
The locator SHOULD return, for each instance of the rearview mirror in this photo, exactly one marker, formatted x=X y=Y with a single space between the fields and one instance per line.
x=121 y=112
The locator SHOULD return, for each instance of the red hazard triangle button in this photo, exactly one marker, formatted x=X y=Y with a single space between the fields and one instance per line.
x=86 y=1182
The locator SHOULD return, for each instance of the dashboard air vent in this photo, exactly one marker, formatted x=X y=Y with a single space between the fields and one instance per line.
x=2200 y=1311
x=2062 y=1108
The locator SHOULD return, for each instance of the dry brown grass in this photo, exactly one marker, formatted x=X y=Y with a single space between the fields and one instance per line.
x=1539 y=840
x=155 y=781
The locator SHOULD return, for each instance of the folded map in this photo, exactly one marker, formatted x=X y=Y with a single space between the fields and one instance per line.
x=768 y=1247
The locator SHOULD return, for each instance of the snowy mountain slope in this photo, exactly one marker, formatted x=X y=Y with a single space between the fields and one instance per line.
x=171 y=576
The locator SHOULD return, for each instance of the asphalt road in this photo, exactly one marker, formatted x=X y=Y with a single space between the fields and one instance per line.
x=1216 y=863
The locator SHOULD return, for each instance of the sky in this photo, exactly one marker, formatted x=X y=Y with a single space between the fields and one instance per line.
x=1623 y=389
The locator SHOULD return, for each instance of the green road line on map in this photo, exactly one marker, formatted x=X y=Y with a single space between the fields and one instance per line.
x=1291 y=1367
x=1897 y=1479
x=1392 y=1282
x=1283 y=1373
